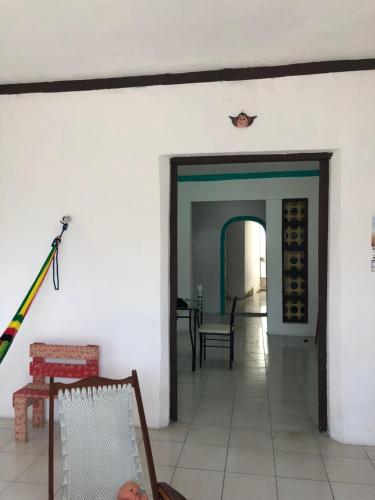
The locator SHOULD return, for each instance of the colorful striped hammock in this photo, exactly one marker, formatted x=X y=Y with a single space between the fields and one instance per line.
x=11 y=331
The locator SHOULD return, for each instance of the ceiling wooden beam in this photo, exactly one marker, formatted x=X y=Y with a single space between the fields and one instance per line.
x=219 y=75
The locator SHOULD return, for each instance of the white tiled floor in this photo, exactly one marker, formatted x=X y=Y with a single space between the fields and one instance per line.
x=256 y=303
x=249 y=433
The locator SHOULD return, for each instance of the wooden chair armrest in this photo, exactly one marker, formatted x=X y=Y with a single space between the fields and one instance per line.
x=166 y=492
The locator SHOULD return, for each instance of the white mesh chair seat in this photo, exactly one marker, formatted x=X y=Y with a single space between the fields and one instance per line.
x=215 y=328
x=99 y=448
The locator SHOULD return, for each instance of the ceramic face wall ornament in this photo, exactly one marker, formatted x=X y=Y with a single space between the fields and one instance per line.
x=242 y=120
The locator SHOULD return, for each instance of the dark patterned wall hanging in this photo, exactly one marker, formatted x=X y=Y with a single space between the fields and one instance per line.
x=295 y=271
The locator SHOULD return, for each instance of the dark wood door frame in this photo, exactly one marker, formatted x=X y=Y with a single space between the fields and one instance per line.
x=324 y=163
x=323 y=291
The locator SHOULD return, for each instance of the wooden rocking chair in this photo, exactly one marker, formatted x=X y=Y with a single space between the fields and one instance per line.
x=99 y=447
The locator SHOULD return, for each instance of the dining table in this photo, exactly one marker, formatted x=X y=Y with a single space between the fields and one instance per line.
x=193 y=311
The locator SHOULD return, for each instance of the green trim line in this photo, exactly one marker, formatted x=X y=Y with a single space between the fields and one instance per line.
x=240 y=218
x=247 y=175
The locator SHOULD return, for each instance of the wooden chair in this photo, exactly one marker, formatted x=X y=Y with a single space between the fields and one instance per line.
x=36 y=392
x=99 y=448
x=218 y=332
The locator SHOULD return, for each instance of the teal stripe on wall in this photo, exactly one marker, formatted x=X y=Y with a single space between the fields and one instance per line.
x=247 y=175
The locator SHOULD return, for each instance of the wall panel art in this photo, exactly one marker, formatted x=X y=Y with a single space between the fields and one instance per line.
x=295 y=262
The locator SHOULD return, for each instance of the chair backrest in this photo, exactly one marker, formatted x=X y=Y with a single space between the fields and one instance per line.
x=40 y=367
x=200 y=303
x=232 y=313
x=99 y=447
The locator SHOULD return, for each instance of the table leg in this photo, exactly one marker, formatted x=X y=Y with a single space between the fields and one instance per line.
x=195 y=339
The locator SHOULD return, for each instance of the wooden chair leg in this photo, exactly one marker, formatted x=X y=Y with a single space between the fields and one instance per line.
x=204 y=347
x=20 y=418
x=166 y=492
x=38 y=413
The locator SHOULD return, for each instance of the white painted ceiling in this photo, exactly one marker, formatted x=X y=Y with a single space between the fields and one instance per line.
x=44 y=40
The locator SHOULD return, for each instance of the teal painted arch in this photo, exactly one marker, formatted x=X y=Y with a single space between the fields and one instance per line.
x=240 y=218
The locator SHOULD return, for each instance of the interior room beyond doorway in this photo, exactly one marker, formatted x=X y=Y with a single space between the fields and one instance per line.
x=244 y=255
x=275 y=365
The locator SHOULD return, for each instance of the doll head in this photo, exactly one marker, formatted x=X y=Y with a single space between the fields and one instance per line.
x=130 y=491
x=242 y=120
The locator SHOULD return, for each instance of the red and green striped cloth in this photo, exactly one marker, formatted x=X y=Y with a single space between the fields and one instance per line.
x=11 y=331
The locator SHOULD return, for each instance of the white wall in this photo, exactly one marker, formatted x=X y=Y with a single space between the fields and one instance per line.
x=95 y=156
x=235 y=260
x=274 y=266
x=273 y=190
x=252 y=256
x=208 y=219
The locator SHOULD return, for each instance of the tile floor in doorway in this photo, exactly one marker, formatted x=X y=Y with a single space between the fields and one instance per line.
x=256 y=303
x=249 y=433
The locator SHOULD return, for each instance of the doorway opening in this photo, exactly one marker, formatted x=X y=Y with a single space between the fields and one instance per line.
x=285 y=351
x=243 y=265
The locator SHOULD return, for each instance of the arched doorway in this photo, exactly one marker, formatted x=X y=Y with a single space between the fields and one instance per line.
x=247 y=235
